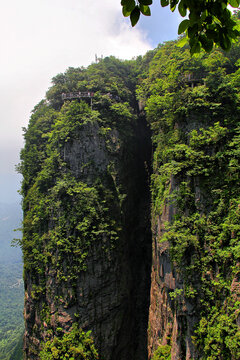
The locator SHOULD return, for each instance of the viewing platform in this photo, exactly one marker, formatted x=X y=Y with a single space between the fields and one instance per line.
x=77 y=95
x=86 y=95
x=192 y=80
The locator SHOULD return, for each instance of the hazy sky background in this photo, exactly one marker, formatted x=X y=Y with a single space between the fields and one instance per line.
x=41 y=38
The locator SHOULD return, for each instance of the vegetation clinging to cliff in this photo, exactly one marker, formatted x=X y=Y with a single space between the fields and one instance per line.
x=75 y=344
x=193 y=106
x=77 y=164
x=51 y=193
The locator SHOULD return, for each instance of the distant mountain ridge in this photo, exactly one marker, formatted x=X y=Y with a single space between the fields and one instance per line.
x=11 y=285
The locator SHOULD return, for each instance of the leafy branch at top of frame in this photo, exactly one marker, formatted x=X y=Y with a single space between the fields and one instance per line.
x=209 y=22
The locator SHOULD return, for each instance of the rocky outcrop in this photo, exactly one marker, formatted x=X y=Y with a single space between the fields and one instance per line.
x=110 y=296
x=194 y=289
x=172 y=315
x=171 y=318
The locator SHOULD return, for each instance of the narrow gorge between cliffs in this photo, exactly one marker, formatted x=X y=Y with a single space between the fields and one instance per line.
x=131 y=210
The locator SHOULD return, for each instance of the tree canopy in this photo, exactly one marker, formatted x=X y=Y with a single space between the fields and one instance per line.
x=209 y=22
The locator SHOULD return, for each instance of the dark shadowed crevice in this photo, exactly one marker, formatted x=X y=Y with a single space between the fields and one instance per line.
x=132 y=342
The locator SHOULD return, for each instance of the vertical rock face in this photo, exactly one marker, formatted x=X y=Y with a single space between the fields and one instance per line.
x=171 y=319
x=193 y=108
x=96 y=270
x=87 y=242
x=172 y=316
x=195 y=275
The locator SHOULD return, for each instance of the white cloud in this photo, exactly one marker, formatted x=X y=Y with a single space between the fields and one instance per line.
x=40 y=38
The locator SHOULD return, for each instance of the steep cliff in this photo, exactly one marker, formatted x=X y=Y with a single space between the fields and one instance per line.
x=86 y=240
x=193 y=106
x=88 y=252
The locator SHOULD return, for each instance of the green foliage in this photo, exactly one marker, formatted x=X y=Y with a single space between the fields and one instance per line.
x=192 y=105
x=78 y=213
x=208 y=23
x=220 y=333
x=129 y=7
x=11 y=285
x=75 y=344
x=11 y=317
x=163 y=352
x=109 y=75
x=72 y=215
x=193 y=108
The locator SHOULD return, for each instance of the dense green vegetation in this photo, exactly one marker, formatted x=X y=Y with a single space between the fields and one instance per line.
x=11 y=285
x=75 y=344
x=11 y=310
x=66 y=212
x=78 y=213
x=163 y=352
x=193 y=106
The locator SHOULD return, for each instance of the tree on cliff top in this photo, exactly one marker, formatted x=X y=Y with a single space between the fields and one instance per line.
x=209 y=22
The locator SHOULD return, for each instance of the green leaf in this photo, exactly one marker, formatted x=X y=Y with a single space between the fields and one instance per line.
x=234 y=3
x=193 y=17
x=195 y=45
x=173 y=3
x=210 y=34
x=182 y=9
x=145 y=10
x=207 y=44
x=183 y=26
x=182 y=42
x=195 y=48
x=164 y=3
x=126 y=2
x=135 y=14
x=125 y=11
x=192 y=30
x=224 y=5
x=209 y=20
x=204 y=16
x=145 y=2
x=128 y=7
x=129 y=4
x=224 y=41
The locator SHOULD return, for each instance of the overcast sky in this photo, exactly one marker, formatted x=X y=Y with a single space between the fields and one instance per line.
x=41 y=38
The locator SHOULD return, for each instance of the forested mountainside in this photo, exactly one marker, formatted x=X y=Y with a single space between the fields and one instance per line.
x=11 y=311
x=193 y=108
x=131 y=210
x=11 y=285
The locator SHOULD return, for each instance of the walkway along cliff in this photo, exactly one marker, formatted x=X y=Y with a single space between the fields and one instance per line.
x=131 y=233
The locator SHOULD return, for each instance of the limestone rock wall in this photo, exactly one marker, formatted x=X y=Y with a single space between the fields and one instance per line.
x=170 y=320
x=110 y=296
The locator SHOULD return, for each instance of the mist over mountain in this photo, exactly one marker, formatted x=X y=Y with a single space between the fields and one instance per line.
x=11 y=283
x=10 y=220
x=10 y=183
